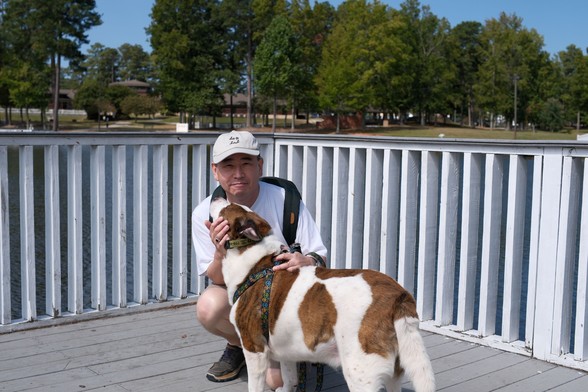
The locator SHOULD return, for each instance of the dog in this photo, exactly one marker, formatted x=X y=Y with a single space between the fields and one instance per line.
x=361 y=321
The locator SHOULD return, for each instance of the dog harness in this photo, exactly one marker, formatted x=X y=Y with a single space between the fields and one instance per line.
x=268 y=275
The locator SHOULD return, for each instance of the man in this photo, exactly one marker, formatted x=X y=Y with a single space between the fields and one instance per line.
x=238 y=166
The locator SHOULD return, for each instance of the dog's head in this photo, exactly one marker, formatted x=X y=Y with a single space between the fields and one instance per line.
x=244 y=224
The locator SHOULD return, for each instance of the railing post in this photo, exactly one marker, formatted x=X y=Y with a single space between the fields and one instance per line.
x=27 y=235
x=491 y=244
x=428 y=234
x=566 y=255
x=98 y=227
x=450 y=175
x=5 y=305
x=309 y=179
x=52 y=232
x=372 y=208
x=199 y=192
x=75 y=275
x=468 y=262
x=180 y=222
x=340 y=192
x=119 y=226
x=324 y=193
x=160 y=221
x=390 y=213
x=355 y=206
x=140 y=224
x=408 y=224
x=534 y=238
x=513 y=264
x=547 y=254
x=581 y=333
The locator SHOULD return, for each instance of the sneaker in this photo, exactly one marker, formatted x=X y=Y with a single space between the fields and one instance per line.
x=229 y=366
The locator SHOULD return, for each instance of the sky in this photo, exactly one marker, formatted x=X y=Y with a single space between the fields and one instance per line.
x=559 y=22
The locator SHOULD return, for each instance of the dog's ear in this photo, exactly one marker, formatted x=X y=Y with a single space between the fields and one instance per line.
x=251 y=233
x=263 y=228
x=255 y=227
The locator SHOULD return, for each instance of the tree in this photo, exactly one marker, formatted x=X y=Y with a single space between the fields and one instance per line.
x=52 y=30
x=464 y=42
x=312 y=26
x=96 y=98
x=102 y=64
x=359 y=54
x=573 y=65
x=28 y=86
x=511 y=63
x=88 y=97
x=134 y=63
x=389 y=59
x=552 y=116
x=137 y=105
x=186 y=37
x=426 y=34
x=277 y=62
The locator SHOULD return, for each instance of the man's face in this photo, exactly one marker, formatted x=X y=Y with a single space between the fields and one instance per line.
x=239 y=175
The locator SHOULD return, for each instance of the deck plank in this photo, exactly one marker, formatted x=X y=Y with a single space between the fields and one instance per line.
x=167 y=349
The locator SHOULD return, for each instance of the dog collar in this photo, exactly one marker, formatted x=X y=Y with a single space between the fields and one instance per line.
x=232 y=244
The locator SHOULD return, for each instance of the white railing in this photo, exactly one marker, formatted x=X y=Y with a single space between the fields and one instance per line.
x=490 y=236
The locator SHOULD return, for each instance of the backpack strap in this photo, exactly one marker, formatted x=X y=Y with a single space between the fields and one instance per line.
x=291 y=205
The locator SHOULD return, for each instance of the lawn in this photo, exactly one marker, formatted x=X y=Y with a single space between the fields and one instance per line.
x=167 y=123
x=467 y=133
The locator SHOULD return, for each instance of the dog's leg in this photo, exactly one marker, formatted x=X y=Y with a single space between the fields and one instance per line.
x=289 y=376
x=361 y=374
x=257 y=364
x=394 y=383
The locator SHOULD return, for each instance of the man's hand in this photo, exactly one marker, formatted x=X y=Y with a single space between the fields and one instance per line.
x=218 y=233
x=292 y=261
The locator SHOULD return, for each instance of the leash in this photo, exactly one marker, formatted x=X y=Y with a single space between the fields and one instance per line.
x=268 y=275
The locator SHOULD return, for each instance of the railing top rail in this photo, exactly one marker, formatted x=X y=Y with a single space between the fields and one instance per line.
x=530 y=147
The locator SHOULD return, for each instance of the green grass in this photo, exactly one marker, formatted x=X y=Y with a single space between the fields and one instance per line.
x=468 y=133
x=167 y=123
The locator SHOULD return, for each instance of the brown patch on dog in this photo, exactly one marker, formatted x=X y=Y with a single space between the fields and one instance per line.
x=325 y=273
x=248 y=315
x=318 y=316
x=390 y=302
x=248 y=318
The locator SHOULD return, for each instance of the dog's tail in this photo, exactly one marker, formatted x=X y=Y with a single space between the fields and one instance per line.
x=413 y=355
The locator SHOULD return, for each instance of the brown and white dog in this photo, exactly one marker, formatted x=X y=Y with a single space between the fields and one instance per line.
x=359 y=320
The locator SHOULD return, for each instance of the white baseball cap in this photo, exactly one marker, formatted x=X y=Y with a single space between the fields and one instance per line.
x=234 y=142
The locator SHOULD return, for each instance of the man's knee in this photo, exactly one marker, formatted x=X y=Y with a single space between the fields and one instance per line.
x=211 y=306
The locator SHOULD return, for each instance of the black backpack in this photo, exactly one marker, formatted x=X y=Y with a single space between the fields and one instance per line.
x=291 y=205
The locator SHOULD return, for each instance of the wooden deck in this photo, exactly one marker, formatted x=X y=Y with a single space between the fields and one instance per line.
x=167 y=350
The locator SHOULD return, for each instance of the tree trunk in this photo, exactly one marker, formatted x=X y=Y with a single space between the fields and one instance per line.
x=293 y=118
x=57 y=69
x=578 y=122
x=232 y=110
x=248 y=121
x=275 y=114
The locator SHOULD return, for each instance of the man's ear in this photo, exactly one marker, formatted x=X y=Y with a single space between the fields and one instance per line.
x=214 y=168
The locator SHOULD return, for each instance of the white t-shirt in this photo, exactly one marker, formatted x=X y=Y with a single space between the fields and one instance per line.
x=270 y=206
